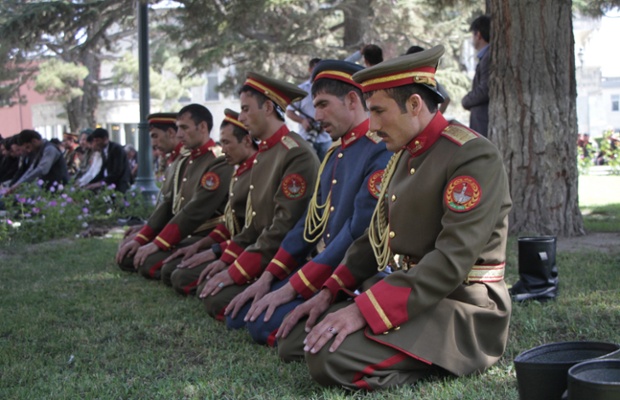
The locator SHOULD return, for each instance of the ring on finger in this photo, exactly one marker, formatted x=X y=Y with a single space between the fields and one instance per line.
x=332 y=330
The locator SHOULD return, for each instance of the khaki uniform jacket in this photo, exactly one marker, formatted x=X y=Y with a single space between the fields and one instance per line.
x=447 y=204
x=172 y=162
x=196 y=203
x=281 y=184
x=237 y=200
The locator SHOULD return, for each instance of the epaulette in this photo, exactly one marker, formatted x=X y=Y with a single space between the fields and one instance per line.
x=372 y=135
x=289 y=142
x=459 y=134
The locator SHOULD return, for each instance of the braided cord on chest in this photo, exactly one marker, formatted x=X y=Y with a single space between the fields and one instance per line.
x=176 y=186
x=232 y=224
x=378 y=231
x=317 y=216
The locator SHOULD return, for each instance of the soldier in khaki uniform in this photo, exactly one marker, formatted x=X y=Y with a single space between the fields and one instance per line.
x=163 y=132
x=184 y=267
x=197 y=200
x=281 y=183
x=443 y=209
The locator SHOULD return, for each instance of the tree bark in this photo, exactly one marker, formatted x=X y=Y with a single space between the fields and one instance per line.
x=532 y=113
x=356 y=20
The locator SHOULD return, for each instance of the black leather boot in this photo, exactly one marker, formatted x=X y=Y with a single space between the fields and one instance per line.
x=538 y=273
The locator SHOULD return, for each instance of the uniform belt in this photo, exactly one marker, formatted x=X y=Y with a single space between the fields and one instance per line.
x=479 y=273
x=210 y=224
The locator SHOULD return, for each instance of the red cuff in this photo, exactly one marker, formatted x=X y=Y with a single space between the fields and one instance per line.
x=219 y=234
x=168 y=237
x=309 y=279
x=145 y=235
x=384 y=306
x=245 y=268
x=340 y=279
x=282 y=264
x=232 y=252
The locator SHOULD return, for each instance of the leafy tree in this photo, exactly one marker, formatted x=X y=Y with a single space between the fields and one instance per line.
x=81 y=33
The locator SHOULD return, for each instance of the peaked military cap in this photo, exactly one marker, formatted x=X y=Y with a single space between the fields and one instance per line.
x=280 y=92
x=233 y=118
x=162 y=118
x=336 y=69
x=418 y=68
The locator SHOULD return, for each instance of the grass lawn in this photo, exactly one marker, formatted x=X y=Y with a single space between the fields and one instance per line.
x=76 y=327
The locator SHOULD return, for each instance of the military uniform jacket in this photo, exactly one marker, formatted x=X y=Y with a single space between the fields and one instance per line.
x=448 y=204
x=174 y=158
x=281 y=184
x=201 y=188
x=350 y=179
x=237 y=199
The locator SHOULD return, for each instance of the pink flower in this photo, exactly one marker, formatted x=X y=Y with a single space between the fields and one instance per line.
x=36 y=210
x=40 y=182
x=85 y=210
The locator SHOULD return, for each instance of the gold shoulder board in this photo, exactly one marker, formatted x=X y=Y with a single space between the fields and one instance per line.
x=289 y=142
x=372 y=135
x=459 y=134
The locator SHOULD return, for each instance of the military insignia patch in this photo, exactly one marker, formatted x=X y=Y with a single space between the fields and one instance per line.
x=462 y=194
x=210 y=181
x=374 y=183
x=294 y=186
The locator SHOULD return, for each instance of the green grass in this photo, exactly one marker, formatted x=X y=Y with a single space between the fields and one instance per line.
x=75 y=327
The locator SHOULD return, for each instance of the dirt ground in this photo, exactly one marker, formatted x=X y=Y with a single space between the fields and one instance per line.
x=608 y=242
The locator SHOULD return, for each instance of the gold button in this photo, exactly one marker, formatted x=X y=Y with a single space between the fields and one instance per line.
x=191 y=161
x=393 y=197
x=182 y=198
x=397 y=328
x=233 y=210
x=340 y=155
x=412 y=171
x=184 y=179
x=255 y=161
x=251 y=187
x=328 y=235
x=331 y=208
x=253 y=213
x=392 y=234
x=236 y=179
x=417 y=142
x=334 y=182
x=385 y=333
x=231 y=194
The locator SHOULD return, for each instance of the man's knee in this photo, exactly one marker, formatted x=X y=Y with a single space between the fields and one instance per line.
x=166 y=272
x=126 y=264
x=291 y=348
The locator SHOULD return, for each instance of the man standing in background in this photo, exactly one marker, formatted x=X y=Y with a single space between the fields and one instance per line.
x=477 y=100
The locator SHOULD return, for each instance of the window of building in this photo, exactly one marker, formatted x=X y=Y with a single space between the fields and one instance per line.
x=615 y=102
x=211 y=92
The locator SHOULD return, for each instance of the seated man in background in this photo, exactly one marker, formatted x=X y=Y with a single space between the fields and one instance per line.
x=114 y=166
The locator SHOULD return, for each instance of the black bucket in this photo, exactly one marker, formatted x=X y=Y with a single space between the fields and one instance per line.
x=542 y=372
x=594 y=380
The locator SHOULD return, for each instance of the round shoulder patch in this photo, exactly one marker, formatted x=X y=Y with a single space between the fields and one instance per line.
x=374 y=183
x=210 y=181
x=462 y=194
x=294 y=186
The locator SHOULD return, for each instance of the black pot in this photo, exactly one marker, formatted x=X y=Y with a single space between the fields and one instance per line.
x=542 y=371
x=594 y=380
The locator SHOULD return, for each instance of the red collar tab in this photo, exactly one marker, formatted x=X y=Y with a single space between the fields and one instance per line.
x=428 y=136
x=174 y=154
x=205 y=148
x=273 y=139
x=355 y=134
x=246 y=165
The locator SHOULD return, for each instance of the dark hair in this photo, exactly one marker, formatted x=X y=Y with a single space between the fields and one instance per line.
x=414 y=49
x=336 y=88
x=99 y=133
x=401 y=94
x=482 y=24
x=372 y=54
x=237 y=131
x=313 y=62
x=8 y=142
x=56 y=142
x=27 y=136
x=261 y=99
x=198 y=113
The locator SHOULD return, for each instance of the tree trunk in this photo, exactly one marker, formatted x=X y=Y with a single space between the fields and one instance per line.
x=90 y=86
x=356 y=20
x=533 y=113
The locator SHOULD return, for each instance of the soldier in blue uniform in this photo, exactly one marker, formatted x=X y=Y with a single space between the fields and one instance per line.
x=339 y=211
